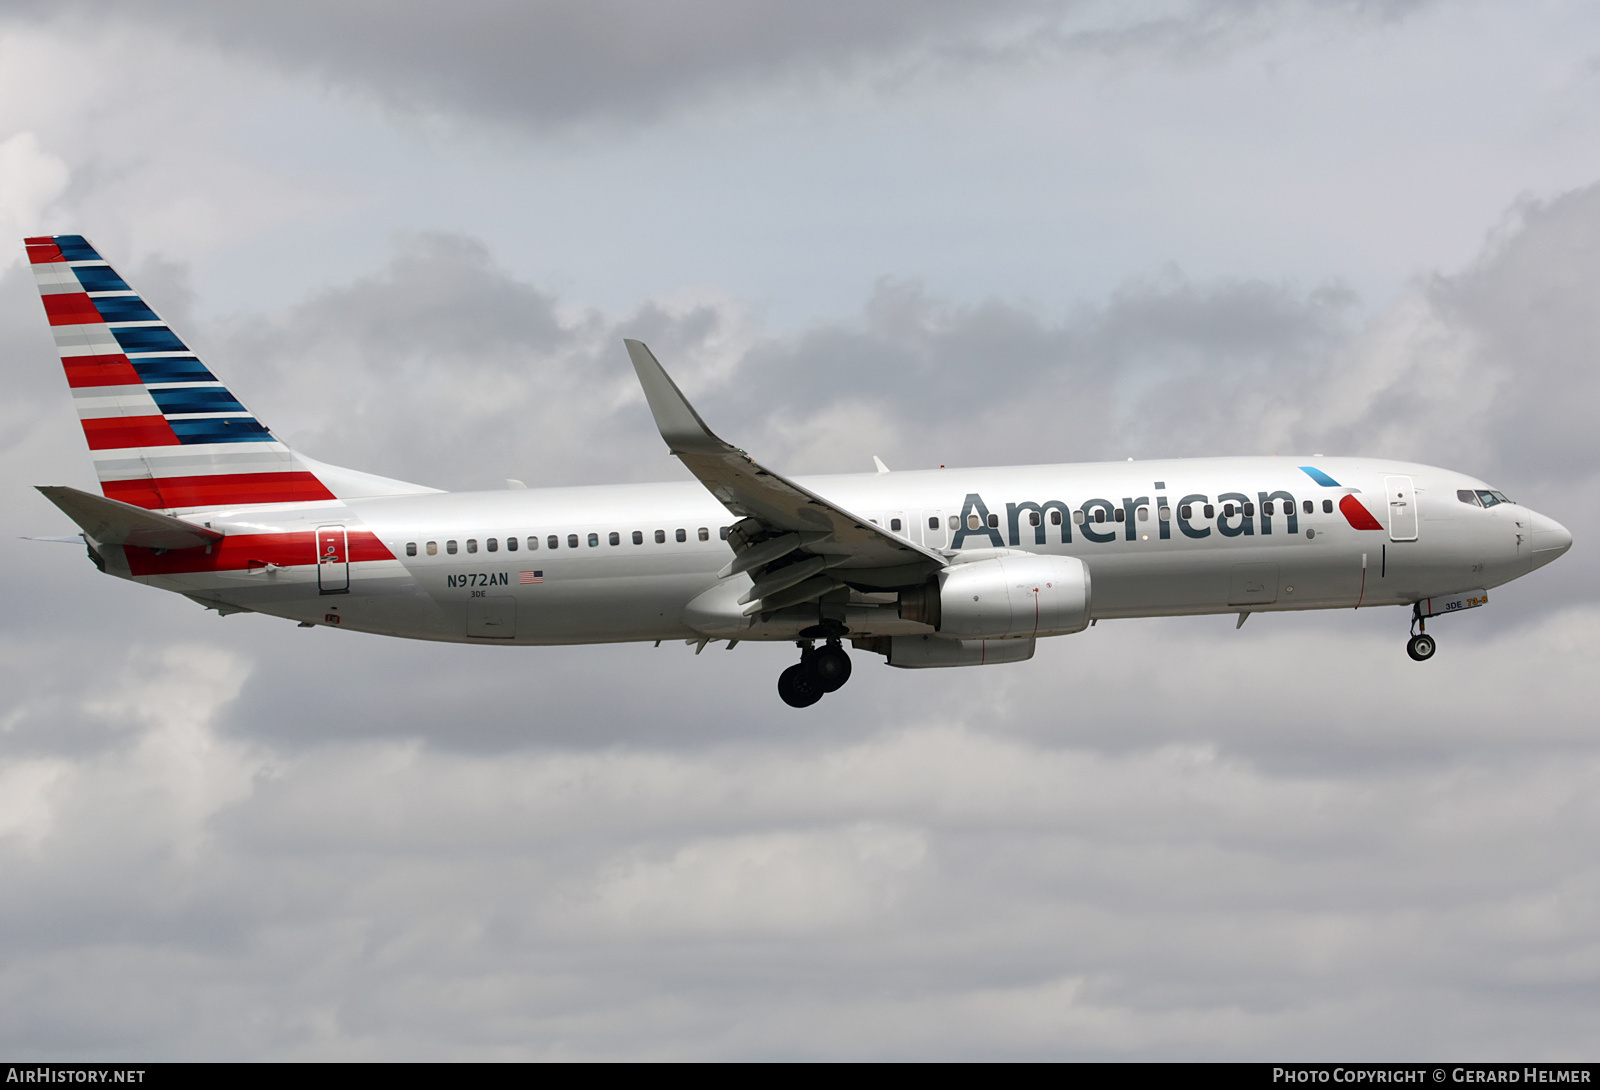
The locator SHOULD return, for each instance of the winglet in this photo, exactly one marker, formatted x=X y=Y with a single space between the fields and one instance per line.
x=112 y=522
x=680 y=425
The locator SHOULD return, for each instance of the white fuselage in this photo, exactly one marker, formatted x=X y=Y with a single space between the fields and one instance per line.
x=422 y=566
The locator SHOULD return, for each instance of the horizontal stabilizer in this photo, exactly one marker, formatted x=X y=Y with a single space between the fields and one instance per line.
x=112 y=522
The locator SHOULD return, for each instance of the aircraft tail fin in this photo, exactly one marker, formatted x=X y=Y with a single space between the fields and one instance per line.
x=165 y=434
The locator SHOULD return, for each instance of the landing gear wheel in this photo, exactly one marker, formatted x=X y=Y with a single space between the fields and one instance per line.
x=830 y=666
x=1420 y=648
x=798 y=688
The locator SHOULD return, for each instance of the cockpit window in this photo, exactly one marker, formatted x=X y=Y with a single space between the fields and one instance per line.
x=1502 y=497
x=1467 y=495
x=1489 y=499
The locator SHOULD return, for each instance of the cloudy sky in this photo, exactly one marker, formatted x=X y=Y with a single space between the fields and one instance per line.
x=412 y=236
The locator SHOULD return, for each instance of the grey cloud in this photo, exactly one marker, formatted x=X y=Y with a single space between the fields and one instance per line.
x=444 y=368
x=1528 y=302
x=932 y=883
x=553 y=63
x=1166 y=367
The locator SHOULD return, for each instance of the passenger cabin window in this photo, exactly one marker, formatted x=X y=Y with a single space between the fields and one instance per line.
x=1099 y=514
x=554 y=541
x=974 y=522
x=533 y=544
x=1208 y=511
x=1327 y=507
x=705 y=534
x=433 y=548
x=681 y=534
x=1308 y=507
x=1250 y=510
x=594 y=541
x=1033 y=517
x=411 y=548
x=1055 y=517
x=572 y=541
x=1269 y=508
x=1120 y=515
x=492 y=545
x=511 y=544
x=894 y=524
x=1186 y=512
x=472 y=544
x=955 y=522
x=994 y=522
x=615 y=538
x=1144 y=514
x=933 y=522
x=638 y=537
x=661 y=537
x=722 y=533
x=450 y=547
x=1077 y=516
x=1165 y=513
x=1227 y=510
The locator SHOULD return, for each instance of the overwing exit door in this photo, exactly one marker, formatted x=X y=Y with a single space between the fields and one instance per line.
x=333 y=560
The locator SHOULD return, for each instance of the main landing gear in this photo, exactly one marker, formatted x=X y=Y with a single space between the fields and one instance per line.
x=1420 y=646
x=821 y=670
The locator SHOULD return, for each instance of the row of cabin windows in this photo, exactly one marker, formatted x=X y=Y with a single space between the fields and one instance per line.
x=974 y=522
x=1268 y=508
x=492 y=544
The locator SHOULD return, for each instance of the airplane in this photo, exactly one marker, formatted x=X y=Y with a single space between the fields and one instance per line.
x=928 y=568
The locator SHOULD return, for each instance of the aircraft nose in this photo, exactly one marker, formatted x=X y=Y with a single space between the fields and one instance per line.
x=1550 y=539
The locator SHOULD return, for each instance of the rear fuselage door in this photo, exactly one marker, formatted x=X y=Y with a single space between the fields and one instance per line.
x=333 y=560
x=1402 y=509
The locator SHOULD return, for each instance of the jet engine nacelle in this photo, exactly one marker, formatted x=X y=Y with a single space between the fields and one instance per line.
x=1016 y=596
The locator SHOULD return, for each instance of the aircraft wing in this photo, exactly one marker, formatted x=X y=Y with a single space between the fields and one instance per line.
x=112 y=522
x=788 y=527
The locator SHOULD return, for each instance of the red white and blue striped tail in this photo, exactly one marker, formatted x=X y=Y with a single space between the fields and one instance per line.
x=164 y=433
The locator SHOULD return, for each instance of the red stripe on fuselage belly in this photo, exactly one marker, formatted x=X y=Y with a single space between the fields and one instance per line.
x=113 y=370
x=117 y=432
x=223 y=489
x=244 y=551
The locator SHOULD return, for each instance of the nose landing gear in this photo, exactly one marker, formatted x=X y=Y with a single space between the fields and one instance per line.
x=1420 y=646
x=821 y=670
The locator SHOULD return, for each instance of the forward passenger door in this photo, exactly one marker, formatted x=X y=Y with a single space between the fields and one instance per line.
x=1402 y=509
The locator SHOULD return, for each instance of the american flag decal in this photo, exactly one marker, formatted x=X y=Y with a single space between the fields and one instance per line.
x=527 y=577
